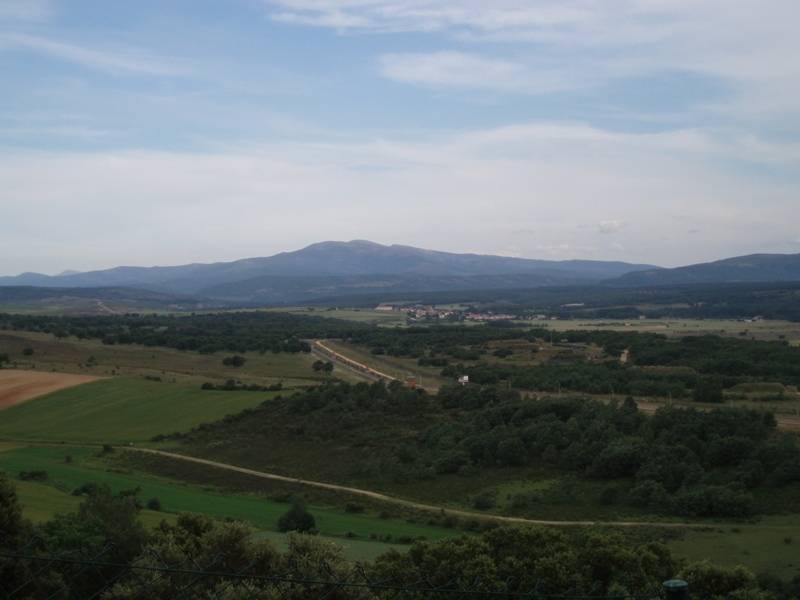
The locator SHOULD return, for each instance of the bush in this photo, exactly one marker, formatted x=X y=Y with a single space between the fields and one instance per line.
x=33 y=475
x=524 y=500
x=297 y=518
x=352 y=507
x=451 y=463
x=708 y=389
x=609 y=496
x=714 y=501
x=234 y=361
x=485 y=500
x=153 y=504
x=511 y=452
x=648 y=494
x=87 y=489
x=27 y=352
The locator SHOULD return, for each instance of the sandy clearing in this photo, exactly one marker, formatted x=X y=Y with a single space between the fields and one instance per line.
x=18 y=386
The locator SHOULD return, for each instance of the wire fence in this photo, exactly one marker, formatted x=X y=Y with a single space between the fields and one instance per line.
x=28 y=575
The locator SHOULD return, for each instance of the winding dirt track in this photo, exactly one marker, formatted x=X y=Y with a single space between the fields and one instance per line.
x=399 y=501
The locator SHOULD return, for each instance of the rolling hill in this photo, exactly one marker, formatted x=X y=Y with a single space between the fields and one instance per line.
x=751 y=268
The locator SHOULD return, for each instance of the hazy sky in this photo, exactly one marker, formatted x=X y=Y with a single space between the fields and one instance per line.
x=172 y=131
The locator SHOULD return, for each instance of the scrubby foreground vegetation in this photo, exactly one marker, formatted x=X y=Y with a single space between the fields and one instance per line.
x=99 y=545
x=729 y=462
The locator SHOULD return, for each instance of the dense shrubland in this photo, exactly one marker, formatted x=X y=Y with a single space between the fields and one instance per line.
x=679 y=461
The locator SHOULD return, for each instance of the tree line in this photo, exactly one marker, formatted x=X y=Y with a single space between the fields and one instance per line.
x=259 y=331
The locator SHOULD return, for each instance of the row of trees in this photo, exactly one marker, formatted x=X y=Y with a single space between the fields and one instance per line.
x=208 y=333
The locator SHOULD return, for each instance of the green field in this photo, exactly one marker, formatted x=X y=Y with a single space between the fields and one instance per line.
x=41 y=500
x=770 y=545
x=121 y=410
x=359 y=315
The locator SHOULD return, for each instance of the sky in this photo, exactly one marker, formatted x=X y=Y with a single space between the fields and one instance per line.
x=163 y=132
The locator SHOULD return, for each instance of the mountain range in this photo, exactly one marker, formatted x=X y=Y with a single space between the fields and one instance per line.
x=331 y=269
x=741 y=269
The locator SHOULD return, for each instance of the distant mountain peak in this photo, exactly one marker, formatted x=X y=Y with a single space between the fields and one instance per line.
x=748 y=268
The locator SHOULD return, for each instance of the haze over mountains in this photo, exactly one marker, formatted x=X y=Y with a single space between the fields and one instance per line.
x=331 y=269
x=328 y=268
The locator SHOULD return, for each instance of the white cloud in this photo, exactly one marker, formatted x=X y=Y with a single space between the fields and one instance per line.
x=612 y=226
x=448 y=69
x=430 y=15
x=451 y=192
x=114 y=60
x=750 y=45
x=451 y=69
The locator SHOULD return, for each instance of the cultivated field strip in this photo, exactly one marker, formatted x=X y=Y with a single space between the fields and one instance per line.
x=18 y=386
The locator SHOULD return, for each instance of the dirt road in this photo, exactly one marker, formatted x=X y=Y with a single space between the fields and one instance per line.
x=18 y=386
x=322 y=350
x=399 y=501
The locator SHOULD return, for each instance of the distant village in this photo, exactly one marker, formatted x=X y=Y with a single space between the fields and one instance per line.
x=426 y=312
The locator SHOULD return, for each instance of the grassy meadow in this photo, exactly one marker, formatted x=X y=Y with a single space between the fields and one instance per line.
x=71 y=355
x=121 y=410
x=41 y=500
x=769 y=545
x=359 y=315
